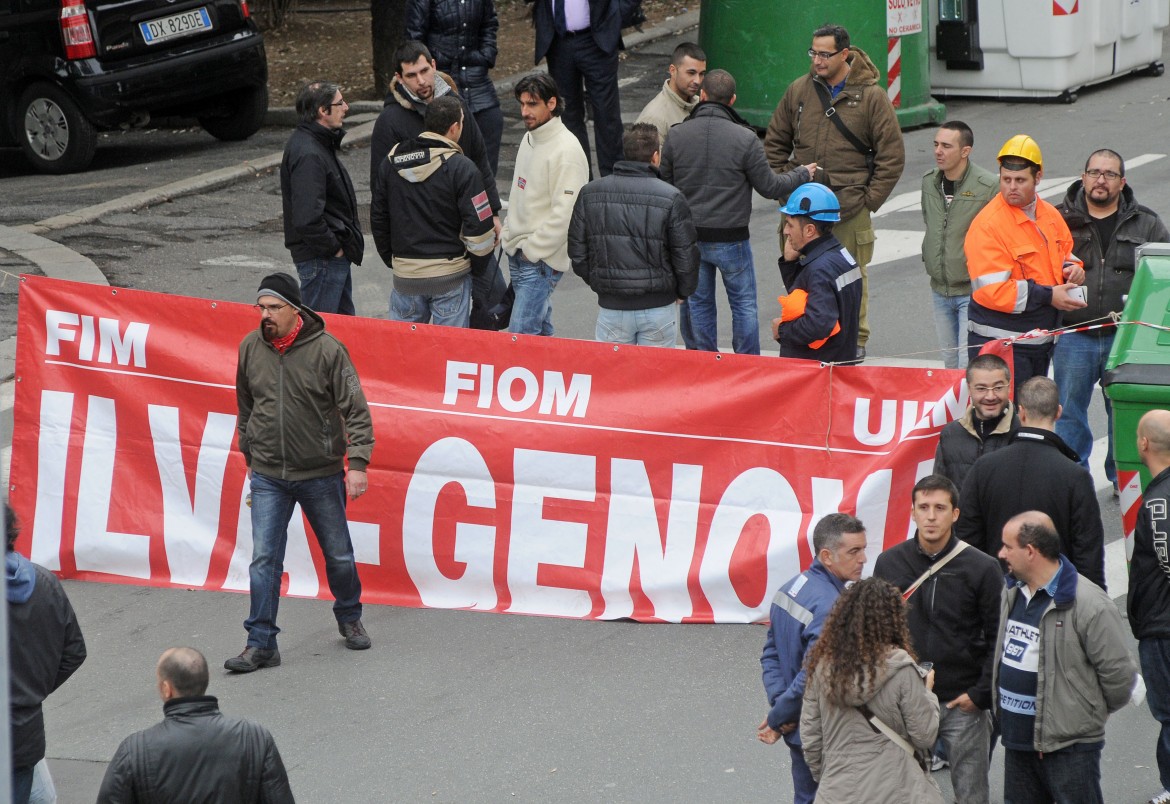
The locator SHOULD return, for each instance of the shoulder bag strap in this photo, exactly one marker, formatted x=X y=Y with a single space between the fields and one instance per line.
x=831 y=113
x=879 y=725
x=924 y=577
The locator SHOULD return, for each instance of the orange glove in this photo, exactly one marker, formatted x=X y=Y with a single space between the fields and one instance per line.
x=823 y=341
x=792 y=306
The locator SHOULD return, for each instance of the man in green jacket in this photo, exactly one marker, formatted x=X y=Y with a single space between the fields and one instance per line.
x=952 y=195
x=301 y=414
x=861 y=168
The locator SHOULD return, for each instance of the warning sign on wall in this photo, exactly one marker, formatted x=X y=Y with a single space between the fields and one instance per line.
x=903 y=17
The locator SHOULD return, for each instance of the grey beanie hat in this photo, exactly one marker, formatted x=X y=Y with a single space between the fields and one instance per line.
x=282 y=286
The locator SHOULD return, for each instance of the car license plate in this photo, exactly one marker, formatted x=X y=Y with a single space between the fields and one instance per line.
x=185 y=24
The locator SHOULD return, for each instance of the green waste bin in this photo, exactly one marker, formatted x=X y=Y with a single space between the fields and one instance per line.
x=1137 y=374
x=764 y=44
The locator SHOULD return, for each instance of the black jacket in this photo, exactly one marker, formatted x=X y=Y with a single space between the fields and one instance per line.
x=716 y=159
x=402 y=119
x=1148 y=605
x=1036 y=472
x=1108 y=270
x=832 y=279
x=320 y=207
x=461 y=35
x=428 y=209
x=631 y=239
x=605 y=25
x=197 y=754
x=45 y=647
x=959 y=443
x=954 y=615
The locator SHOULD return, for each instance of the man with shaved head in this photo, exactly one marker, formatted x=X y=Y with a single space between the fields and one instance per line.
x=1036 y=471
x=1148 y=604
x=1052 y=709
x=197 y=753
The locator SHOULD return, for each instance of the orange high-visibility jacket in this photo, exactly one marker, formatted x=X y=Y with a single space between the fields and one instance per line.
x=1014 y=263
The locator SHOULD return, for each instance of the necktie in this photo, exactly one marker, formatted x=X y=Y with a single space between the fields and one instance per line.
x=559 y=17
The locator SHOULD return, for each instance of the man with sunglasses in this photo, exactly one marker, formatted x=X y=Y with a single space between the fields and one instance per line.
x=1107 y=225
x=321 y=228
x=838 y=117
x=302 y=414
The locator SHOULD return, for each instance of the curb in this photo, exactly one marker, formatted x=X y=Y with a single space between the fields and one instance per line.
x=224 y=177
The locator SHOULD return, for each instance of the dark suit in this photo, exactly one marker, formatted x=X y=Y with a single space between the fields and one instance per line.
x=586 y=61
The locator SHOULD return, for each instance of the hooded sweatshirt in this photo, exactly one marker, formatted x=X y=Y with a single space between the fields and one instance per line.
x=842 y=748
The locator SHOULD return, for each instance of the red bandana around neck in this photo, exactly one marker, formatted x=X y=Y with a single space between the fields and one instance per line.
x=282 y=344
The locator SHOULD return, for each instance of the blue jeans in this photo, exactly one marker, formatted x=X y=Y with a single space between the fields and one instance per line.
x=950 y=322
x=1154 y=655
x=22 y=779
x=326 y=285
x=653 y=327
x=966 y=736
x=450 y=309
x=1063 y=777
x=1079 y=364
x=734 y=263
x=534 y=283
x=323 y=501
x=804 y=786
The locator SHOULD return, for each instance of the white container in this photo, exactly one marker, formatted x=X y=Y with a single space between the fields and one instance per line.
x=1032 y=50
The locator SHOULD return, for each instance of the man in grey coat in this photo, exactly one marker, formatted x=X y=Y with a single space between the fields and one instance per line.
x=716 y=159
x=1052 y=707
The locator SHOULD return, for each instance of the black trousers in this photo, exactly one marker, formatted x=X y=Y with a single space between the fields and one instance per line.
x=578 y=66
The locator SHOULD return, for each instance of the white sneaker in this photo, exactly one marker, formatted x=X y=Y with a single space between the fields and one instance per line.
x=1161 y=798
x=938 y=763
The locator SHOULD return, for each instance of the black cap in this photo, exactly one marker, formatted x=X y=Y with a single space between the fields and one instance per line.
x=282 y=286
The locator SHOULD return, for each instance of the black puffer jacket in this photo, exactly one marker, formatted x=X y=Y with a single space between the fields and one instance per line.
x=1108 y=270
x=461 y=35
x=320 y=207
x=402 y=119
x=632 y=240
x=197 y=754
x=1036 y=472
x=959 y=443
x=716 y=159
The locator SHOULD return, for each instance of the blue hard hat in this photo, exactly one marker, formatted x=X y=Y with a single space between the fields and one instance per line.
x=814 y=201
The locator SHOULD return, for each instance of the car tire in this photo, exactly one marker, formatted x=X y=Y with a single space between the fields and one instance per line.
x=244 y=115
x=54 y=134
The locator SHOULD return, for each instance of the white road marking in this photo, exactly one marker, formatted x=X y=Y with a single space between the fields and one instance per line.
x=239 y=261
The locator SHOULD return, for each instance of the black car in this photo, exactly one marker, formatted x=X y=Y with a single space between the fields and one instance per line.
x=71 y=67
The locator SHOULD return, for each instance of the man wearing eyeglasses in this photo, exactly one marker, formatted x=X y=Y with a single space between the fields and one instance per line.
x=1037 y=471
x=302 y=414
x=1107 y=225
x=989 y=423
x=841 y=94
x=321 y=228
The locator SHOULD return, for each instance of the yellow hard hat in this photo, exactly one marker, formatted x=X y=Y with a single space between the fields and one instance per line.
x=1024 y=147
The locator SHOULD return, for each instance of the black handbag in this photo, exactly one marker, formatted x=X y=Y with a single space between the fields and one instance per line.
x=491 y=296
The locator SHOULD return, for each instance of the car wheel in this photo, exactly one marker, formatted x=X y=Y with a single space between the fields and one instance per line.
x=243 y=115
x=54 y=134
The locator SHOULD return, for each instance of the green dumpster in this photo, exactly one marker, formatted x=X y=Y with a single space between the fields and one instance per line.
x=764 y=44
x=1137 y=374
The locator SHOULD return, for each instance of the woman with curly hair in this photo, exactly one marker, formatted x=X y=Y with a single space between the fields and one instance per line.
x=863 y=670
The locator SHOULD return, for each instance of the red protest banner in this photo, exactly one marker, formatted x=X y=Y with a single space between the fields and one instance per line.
x=511 y=473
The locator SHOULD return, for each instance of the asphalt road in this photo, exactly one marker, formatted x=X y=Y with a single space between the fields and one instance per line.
x=458 y=706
